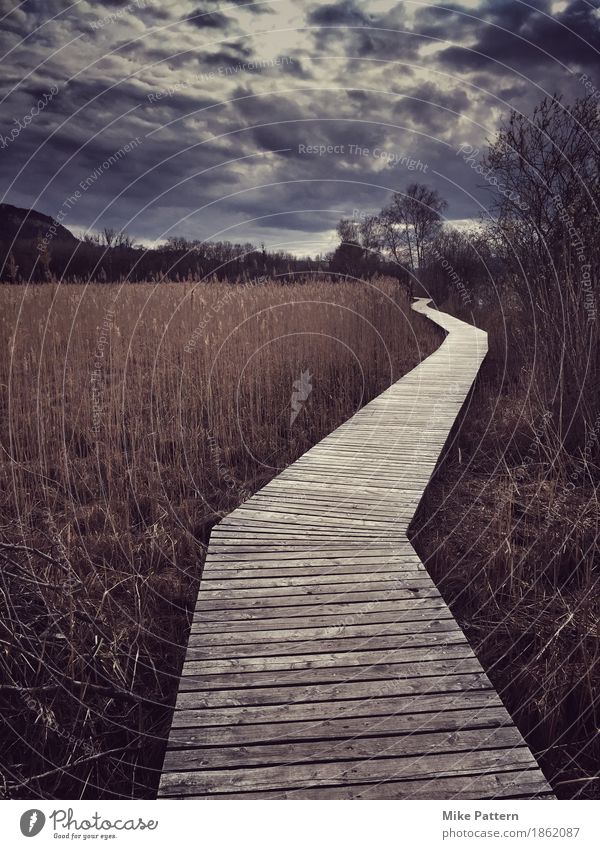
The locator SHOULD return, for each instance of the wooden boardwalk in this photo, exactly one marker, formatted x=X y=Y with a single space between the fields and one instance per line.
x=322 y=661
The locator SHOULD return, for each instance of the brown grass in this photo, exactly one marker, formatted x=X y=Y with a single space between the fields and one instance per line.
x=134 y=417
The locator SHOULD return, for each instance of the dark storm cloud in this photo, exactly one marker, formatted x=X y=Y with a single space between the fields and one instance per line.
x=331 y=120
x=385 y=43
x=154 y=16
x=297 y=68
x=441 y=22
x=332 y=14
x=431 y=109
x=205 y=19
x=334 y=22
x=365 y=35
x=42 y=10
x=514 y=35
x=89 y=94
x=427 y=94
x=260 y=8
x=318 y=205
x=231 y=54
x=152 y=56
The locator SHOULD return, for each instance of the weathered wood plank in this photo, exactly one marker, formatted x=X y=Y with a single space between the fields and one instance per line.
x=353 y=552
x=519 y=784
x=311 y=571
x=293 y=664
x=377 y=582
x=416 y=745
x=369 y=706
x=340 y=728
x=349 y=689
x=358 y=594
x=317 y=774
x=264 y=653
x=405 y=603
x=301 y=622
x=418 y=662
x=329 y=578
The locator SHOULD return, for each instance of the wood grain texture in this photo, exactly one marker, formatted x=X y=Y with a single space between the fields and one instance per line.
x=322 y=661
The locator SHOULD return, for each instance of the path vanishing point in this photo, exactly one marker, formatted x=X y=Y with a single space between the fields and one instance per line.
x=322 y=661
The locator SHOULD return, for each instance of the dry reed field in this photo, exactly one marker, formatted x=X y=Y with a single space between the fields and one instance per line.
x=134 y=417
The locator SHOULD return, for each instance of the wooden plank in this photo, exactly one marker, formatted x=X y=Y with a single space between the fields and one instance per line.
x=263 y=653
x=339 y=729
x=294 y=549
x=299 y=571
x=322 y=661
x=363 y=564
x=364 y=657
x=366 y=490
x=317 y=712
x=369 y=615
x=381 y=583
x=333 y=691
x=261 y=551
x=287 y=582
x=519 y=784
x=289 y=637
x=253 y=518
x=419 y=663
x=296 y=776
x=416 y=745
x=358 y=595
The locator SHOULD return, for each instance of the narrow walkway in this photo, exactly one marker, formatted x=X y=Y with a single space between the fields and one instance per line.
x=322 y=660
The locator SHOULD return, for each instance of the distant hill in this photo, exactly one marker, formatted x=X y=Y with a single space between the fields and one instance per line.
x=34 y=225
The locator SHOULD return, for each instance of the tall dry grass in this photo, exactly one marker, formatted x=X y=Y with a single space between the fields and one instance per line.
x=134 y=417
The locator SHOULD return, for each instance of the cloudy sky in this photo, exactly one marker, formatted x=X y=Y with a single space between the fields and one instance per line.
x=267 y=121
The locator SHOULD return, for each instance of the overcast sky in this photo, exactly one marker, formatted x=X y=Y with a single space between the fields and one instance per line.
x=226 y=102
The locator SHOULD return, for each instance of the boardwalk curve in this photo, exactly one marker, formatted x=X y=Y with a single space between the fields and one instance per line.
x=322 y=661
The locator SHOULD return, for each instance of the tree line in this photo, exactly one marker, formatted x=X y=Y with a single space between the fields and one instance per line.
x=112 y=256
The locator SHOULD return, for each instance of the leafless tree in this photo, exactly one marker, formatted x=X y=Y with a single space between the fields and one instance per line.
x=347 y=257
x=12 y=268
x=410 y=222
x=546 y=168
x=459 y=263
x=108 y=235
x=122 y=240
